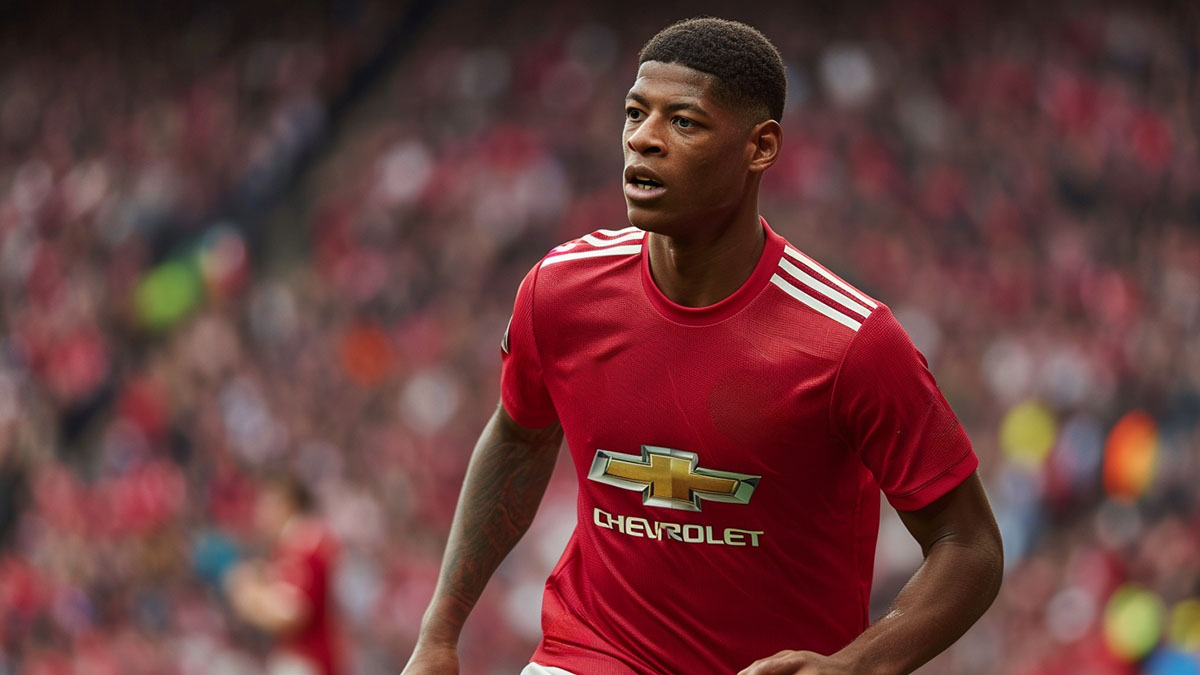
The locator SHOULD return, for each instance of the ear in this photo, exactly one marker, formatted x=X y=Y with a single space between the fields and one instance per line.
x=766 y=138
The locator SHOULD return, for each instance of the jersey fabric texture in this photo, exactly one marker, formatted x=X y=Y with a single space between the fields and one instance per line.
x=730 y=458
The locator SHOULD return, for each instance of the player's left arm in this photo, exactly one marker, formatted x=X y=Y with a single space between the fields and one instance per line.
x=887 y=406
x=955 y=584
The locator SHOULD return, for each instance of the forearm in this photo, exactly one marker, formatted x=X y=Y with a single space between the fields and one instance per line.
x=504 y=485
x=271 y=606
x=949 y=592
x=277 y=611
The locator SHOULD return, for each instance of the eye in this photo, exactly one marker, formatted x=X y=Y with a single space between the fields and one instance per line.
x=633 y=114
x=684 y=123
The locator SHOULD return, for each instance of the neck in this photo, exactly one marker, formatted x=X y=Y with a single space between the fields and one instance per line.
x=703 y=267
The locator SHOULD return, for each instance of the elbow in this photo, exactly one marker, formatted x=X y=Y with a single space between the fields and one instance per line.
x=991 y=563
x=979 y=560
x=987 y=556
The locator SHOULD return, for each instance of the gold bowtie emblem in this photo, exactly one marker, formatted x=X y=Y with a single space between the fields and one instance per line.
x=670 y=478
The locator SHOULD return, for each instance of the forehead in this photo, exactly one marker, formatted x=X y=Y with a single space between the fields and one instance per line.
x=673 y=81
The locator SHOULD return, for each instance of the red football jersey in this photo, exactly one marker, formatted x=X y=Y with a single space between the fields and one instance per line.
x=305 y=559
x=729 y=457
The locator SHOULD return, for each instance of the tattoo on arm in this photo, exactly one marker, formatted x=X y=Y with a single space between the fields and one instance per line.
x=505 y=482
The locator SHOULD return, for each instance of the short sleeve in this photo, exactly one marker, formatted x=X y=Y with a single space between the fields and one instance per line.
x=522 y=385
x=887 y=405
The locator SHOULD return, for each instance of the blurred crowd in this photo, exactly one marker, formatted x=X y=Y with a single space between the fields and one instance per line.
x=1021 y=184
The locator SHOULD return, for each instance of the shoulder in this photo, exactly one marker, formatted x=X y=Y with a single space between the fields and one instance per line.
x=308 y=538
x=596 y=247
x=820 y=301
x=580 y=265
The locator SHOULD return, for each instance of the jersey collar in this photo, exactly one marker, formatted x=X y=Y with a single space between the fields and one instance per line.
x=718 y=312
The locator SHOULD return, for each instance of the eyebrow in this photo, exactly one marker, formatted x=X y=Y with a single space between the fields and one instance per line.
x=670 y=107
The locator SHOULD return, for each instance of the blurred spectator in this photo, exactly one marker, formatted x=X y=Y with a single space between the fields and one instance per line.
x=290 y=596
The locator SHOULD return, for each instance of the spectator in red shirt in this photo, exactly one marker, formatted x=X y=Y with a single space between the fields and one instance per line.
x=288 y=595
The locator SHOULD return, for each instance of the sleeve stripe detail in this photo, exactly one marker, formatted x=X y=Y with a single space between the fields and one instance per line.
x=832 y=294
x=612 y=250
x=813 y=303
x=797 y=255
x=633 y=234
x=613 y=233
x=609 y=242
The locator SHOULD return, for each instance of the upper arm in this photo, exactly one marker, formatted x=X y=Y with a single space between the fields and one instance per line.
x=961 y=517
x=507 y=430
x=523 y=391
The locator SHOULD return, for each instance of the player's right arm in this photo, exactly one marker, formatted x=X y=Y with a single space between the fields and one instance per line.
x=505 y=482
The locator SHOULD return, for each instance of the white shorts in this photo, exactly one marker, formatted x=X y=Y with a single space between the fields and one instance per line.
x=536 y=669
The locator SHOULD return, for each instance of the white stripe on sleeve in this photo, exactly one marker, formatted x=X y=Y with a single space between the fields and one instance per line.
x=823 y=272
x=614 y=250
x=816 y=304
x=610 y=242
x=832 y=294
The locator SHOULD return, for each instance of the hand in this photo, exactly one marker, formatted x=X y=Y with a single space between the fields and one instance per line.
x=789 y=662
x=241 y=583
x=242 y=575
x=433 y=659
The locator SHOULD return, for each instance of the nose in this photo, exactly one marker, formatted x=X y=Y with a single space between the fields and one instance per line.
x=645 y=138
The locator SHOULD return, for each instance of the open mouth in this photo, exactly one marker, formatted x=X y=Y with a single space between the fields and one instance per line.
x=642 y=184
x=645 y=183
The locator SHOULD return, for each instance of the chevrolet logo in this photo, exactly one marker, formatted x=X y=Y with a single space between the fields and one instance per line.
x=669 y=478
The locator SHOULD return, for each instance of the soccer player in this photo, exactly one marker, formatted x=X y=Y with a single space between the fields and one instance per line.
x=733 y=409
x=289 y=596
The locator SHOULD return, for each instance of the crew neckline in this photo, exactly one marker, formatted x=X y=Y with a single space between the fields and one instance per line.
x=768 y=262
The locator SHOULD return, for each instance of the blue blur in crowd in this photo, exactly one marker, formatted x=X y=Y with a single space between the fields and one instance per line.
x=1171 y=662
x=213 y=555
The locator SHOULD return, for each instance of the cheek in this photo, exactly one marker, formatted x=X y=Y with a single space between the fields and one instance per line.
x=267 y=515
x=722 y=171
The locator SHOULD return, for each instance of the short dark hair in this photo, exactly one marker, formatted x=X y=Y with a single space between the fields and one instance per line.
x=293 y=489
x=748 y=68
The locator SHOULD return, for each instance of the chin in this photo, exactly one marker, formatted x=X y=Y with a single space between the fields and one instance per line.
x=651 y=220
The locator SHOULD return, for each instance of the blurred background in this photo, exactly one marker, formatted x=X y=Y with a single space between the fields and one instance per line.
x=238 y=238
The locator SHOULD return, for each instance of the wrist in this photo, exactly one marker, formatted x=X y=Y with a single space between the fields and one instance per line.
x=437 y=630
x=436 y=641
x=860 y=662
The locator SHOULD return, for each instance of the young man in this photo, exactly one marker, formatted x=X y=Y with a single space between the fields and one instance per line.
x=290 y=596
x=733 y=410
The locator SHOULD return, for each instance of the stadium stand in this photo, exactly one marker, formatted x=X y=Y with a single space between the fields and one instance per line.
x=234 y=240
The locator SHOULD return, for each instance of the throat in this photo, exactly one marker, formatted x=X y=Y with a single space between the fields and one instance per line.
x=703 y=273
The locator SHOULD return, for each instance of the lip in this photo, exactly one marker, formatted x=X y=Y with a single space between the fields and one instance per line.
x=640 y=194
x=635 y=192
